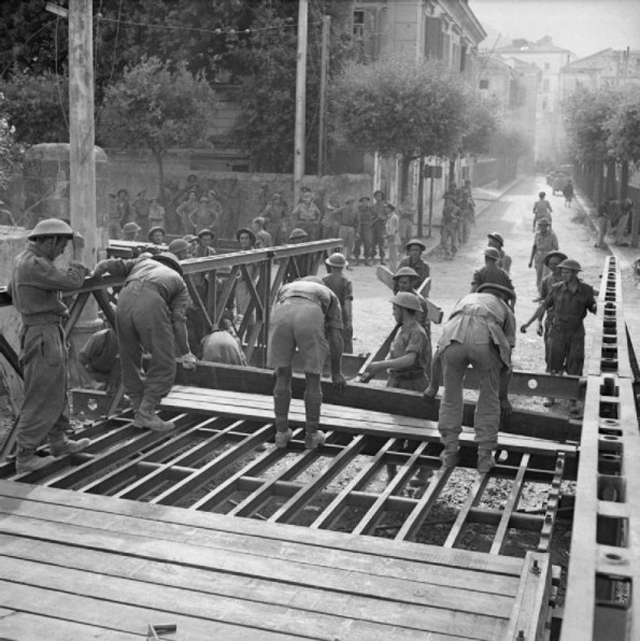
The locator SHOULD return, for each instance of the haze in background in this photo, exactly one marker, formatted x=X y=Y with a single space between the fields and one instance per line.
x=582 y=26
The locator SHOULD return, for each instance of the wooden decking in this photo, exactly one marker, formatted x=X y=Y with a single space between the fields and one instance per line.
x=77 y=566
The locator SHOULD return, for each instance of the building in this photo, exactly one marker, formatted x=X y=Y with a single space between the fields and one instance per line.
x=550 y=59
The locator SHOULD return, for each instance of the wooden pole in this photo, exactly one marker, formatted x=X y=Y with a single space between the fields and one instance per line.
x=430 y=204
x=324 y=64
x=301 y=100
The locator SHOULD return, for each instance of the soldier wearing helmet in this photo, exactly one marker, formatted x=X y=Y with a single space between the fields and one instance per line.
x=130 y=231
x=306 y=316
x=36 y=286
x=342 y=287
x=541 y=209
x=494 y=239
x=150 y=319
x=570 y=299
x=480 y=332
x=413 y=259
x=544 y=242
x=490 y=273
x=410 y=352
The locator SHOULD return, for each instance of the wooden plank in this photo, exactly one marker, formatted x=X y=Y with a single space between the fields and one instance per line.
x=499 y=539
x=227 y=535
x=157 y=517
x=366 y=397
x=104 y=614
x=24 y=625
x=473 y=498
x=360 y=595
x=251 y=614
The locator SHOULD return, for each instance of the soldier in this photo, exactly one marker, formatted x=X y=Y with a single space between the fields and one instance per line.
x=342 y=287
x=541 y=209
x=364 y=239
x=410 y=352
x=481 y=333
x=378 y=225
x=263 y=237
x=449 y=228
x=150 y=318
x=496 y=240
x=306 y=316
x=35 y=287
x=491 y=273
x=413 y=259
x=130 y=231
x=349 y=218
x=544 y=241
x=570 y=300
x=156 y=235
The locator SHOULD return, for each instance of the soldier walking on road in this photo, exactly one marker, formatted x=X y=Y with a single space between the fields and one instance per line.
x=35 y=287
x=570 y=300
x=306 y=316
x=150 y=318
x=496 y=240
x=541 y=209
x=480 y=333
x=449 y=228
x=491 y=273
x=544 y=241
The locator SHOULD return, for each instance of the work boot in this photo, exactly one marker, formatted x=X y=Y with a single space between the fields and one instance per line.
x=28 y=461
x=146 y=417
x=449 y=455
x=485 y=461
x=313 y=438
x=283 y=437
x=62 y=446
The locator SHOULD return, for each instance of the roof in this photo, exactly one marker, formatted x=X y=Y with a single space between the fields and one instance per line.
x=522 y=46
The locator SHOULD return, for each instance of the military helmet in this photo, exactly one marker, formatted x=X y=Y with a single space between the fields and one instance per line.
x=569 y=263
x=51 y=227
x=492 y=253
x=497 y=237
x=170 y=260
x=544 y=222
x=298 y=233
x=554 y=254
x=406 y=271
x=415 y=241
x=407 y=300
x=178 y=245
x=336 y=260
x=153 y=230
x=494 y=287
x=246 y=230
x=131 y=227
x=207 y=232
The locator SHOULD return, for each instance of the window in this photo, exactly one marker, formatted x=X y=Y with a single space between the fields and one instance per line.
x=358 y=23
x=484 y=83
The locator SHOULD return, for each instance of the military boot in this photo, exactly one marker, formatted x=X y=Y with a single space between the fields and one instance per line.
x=313 y=437
x=61 y=445
x=485 y=461
x=449 y=456
x=147 y=418
x=28 y=461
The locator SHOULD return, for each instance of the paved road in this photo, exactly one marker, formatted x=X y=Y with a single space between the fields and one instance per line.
x=511 y=216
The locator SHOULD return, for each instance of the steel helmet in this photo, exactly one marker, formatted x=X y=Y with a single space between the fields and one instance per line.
x=492 y=253
x=544 y=222
x=153 y=230
x=190 y=237
x=207 y=232
x=406 y=271
x=131 y=227
x=407 y=300
x=51 y=227
x=493 y=288
x=569 y=263
x=298 y=233
x=246 y=230
x=170 y=260
x=497 y=237
x=179 y=245
x=336 y=260
x=554 y=254
x=415 y=241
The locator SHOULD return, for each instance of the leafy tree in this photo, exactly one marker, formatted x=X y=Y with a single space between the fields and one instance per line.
x=623 y=126
x=154 y=108
x=10 y=150
x=38 y=107
x=396 y=106
x=481 y=125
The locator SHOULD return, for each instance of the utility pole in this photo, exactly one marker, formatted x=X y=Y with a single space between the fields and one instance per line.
x=301 y=100
x=324 y=64
x=82 y=179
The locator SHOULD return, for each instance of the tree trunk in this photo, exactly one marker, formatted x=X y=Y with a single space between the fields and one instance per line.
x=420 y=203
x=404 y=179
x=624 y=180
x=452 y=170
x=611 y=178
x=161 y=194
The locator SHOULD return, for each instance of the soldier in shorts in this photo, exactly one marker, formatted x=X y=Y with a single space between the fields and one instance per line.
x=306 y=316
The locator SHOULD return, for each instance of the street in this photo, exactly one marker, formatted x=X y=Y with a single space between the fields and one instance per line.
x=512 y=217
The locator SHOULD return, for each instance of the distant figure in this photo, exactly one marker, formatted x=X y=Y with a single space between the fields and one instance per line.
x=378 y=225
x=364 y=237
x=406 y=212
x=567 y=192
x=449 y=227
x=541 y=209
x=140 y=208
x=544 y=241
x=306 y=214
x=392 y=235
x=342 y=287
x=348 y=217
x=186 y=210
x=263 y=237
x=276 y=215
x=606 y=213
x=156 y=213
x=130 y=231
x=496 y=240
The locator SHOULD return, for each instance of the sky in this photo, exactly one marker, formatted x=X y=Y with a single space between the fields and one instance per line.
x=582 y=26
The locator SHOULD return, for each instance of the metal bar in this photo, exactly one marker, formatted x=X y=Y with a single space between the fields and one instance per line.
x=553 y=502
x=306 y=494
x=499 y=539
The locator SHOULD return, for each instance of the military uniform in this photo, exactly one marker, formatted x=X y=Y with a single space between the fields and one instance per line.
x=412 y=339
x=35 y=288
x=342 y=287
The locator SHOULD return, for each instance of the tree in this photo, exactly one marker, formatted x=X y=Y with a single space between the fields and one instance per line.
x=623 y=126
x=154 y=108
x=38 y=107
x=397 y=106
x=11 y=153
x=481 y=125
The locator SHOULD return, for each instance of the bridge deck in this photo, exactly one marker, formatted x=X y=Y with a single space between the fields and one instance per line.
x=74 y=565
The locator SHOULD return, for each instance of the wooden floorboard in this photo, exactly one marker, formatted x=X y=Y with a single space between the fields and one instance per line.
x=74 y=559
